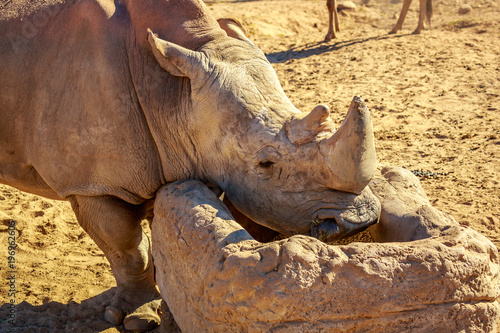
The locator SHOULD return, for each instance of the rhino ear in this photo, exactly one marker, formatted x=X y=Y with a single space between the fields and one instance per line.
x=233 y=28
x=175 y=59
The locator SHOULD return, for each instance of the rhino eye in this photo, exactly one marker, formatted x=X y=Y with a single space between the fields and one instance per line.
x=266 y=158
x=265 y=164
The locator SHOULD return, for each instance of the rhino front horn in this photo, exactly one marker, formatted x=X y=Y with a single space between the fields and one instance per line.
x=303 y=128
x=350 y=152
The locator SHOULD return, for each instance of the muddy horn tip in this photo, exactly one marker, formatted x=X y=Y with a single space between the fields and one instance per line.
x=359 y=103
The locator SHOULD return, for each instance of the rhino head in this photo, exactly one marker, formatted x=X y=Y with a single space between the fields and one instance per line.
x=287 y=170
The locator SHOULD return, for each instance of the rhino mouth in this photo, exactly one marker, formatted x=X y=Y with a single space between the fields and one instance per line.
x=331 y=224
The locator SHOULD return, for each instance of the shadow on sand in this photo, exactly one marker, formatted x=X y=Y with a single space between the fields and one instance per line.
x=311 y=49
x=55 y=317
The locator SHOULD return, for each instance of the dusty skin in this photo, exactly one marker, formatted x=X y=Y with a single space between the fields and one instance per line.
x=434 y=103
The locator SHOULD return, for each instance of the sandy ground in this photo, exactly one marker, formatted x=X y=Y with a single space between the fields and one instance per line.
x=435 y=105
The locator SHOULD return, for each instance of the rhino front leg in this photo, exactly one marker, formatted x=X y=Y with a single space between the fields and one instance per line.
x=115 y=227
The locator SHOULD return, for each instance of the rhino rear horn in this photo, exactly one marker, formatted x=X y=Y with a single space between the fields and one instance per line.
x=350 y=152
x=174 y=58
x=303 y=128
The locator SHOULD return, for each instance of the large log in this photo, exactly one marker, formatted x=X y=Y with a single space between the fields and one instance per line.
x=426 y=273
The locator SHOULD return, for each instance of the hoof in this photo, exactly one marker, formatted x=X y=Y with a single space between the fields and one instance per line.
x=142 y=322
x=143 y=319
x=329 y=38
x=113 y=316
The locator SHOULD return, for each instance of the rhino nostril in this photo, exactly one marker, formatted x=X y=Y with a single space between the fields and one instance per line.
x=331 y=220
x=325 y=229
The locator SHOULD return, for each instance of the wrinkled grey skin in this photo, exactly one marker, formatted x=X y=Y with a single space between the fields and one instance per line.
x=99 y=112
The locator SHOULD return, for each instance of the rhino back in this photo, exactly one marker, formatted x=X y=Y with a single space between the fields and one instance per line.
x=73 y=123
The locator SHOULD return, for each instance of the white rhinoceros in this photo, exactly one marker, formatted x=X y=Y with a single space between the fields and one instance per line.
x=97 y=111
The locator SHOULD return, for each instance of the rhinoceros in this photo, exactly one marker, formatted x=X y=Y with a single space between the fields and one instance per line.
x=102 y=102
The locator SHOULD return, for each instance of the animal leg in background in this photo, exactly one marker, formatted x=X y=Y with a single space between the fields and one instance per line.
x=425 y=12
x=332 y=14
x=115 y=227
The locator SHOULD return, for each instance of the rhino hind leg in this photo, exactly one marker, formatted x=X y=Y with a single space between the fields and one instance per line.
x=115 y=227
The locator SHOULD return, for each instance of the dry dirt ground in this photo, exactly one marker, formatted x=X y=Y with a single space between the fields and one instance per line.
x=435 y=105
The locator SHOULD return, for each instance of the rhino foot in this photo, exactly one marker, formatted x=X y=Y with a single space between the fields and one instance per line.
x=140 y=318
x=113 y=315
x=145 y=318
